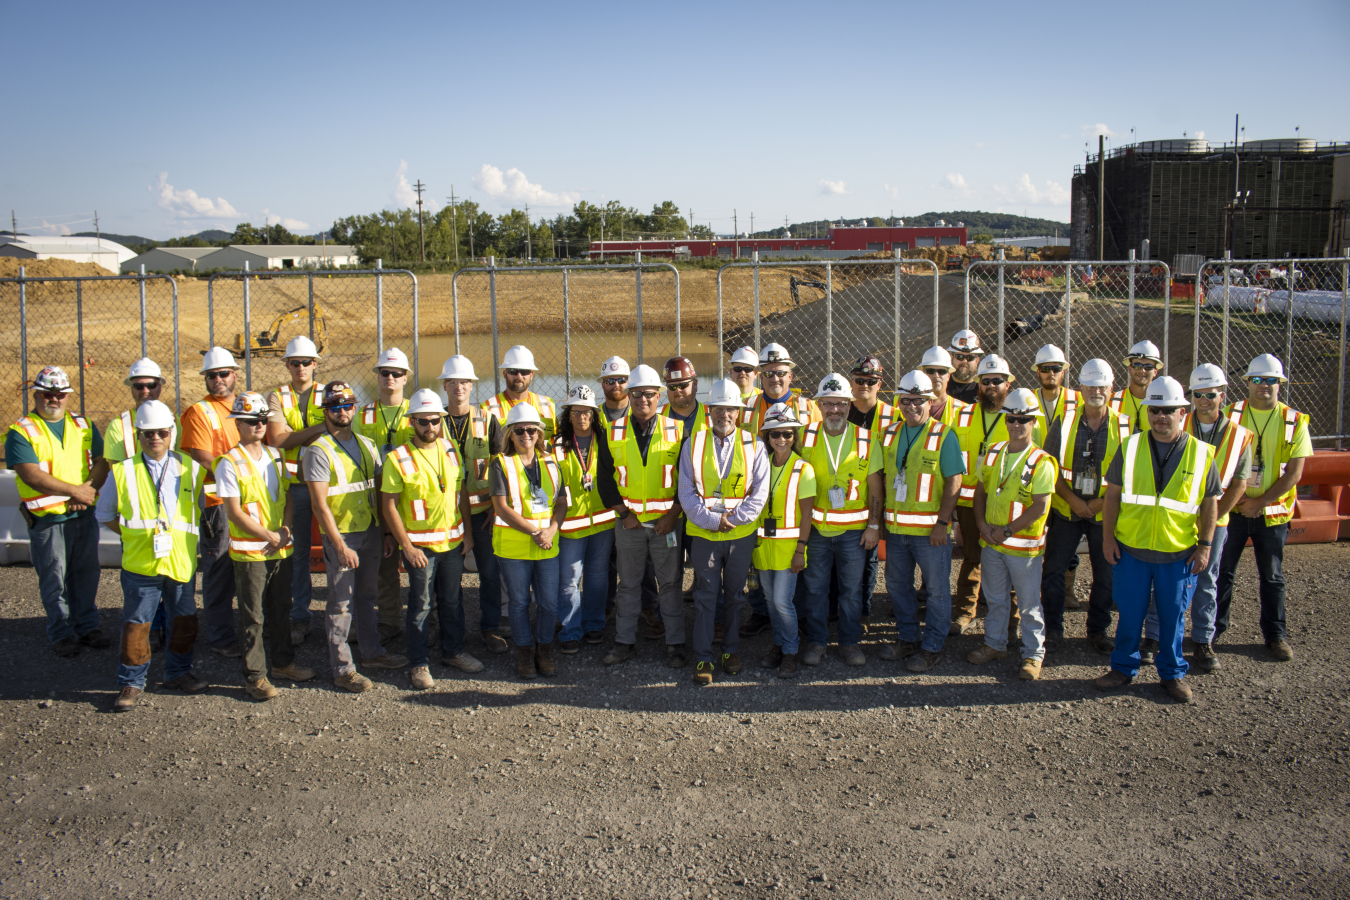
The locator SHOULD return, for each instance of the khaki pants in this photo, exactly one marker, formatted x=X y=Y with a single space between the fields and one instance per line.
x=264 y=588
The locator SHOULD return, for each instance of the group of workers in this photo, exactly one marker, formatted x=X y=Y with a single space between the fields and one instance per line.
x=778 y=498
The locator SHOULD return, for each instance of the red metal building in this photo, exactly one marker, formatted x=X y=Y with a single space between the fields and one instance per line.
x=841 y=241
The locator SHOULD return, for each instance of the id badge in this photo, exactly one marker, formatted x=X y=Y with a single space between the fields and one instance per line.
x=672 y=539
x=771 y=527
x=538 y=498
x=836 y=495
x=586 y=482
x=163 y=544
x=901 y=488
x=1087 y=484
x=984 y=448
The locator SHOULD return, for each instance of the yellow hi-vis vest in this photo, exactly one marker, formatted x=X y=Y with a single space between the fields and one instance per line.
x=475 y=452
x=258 y=502
x=1282 y=510
x=507 y=542
x=1067 y=402
x=501 y=404
x=918 y=512
x=586 y=512
x=700 y=423
x=119 y=441
x=386 y=431
x=851 y=476
x=1163 y=522
x=298 y=418
x=950 y=410
x=1010 y=498
x=975 y=444
x=1117 y=433
x=756 y=405
x=350 y=488
x=648 y=488
x=69 y=460
x=1126 y=404
x=734 y=487
x=1227 y=454
x=139 y=518
x=774 y=553
x=428 y=501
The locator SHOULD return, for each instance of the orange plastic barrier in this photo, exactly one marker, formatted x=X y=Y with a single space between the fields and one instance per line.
x=1323 y=511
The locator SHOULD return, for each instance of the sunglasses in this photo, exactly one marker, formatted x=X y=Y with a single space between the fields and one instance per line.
x=51 y=395
x=613 y=382
x=678 y=385
x=161 y=433
x=427 y=421
x=1206 y=395
x=341 y=408
x=1143 y=366
x=220 y=375
x=1269 y=379
x=1163 y=410
x=1019 y=420
x=915 y=402
x=965 y=357
x=253 y=422
x=391 y=373
x=935 y=373
x=527 y=431
x=743 y=370
x=300 y=363
x=781 y=435
x=644 y=395
x=867 y=382
x=1053 y=370
x=144 y=385
x=776 y=374
x=993 y=382
x=521 y=373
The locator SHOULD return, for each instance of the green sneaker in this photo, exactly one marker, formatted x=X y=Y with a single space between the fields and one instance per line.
x=731 y=664
x=703 y=673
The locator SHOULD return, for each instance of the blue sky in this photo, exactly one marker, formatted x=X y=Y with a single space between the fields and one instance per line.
x=171 y=118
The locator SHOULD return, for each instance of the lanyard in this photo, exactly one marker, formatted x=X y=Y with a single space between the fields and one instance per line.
x=440 y=474
x=1160 y=464
x=902 y=462
x=537 y=480
x=1261 y=434
x=459 y=428
x=275 y=466
x=1040 y=396
x=1017 y=465
x=1212 y=437
x=834 y=457
x=773 y=485
x=721 y=471
x=159 y=501
x=584 y=455
x=988 y=428
x=304 y=407
x=360 y=467
x=384 y=420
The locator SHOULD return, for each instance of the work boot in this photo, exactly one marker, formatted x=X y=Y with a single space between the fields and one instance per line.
x=354 y=682
x=1103 y=643
x=568 y=648
x=127 y=699
x=66 y=648
x=594 y=637
x=1178 y=690
x=755 y=624
x=731 y=664
x=1148 y=652
x=703 y=674
x=899 y=650
x=293 y=672
x=188 y=683
x=157 y=640
x=1112 y=680
x=676 y=656
x=619 y=653
x=232 y=650
x=261 y=689
x=1070 y=601
x=852 y=655
x=984 y=653
x=1204 y=658
x=95 y=640
x=788 y=667
x=386 y=661
x=1053 y=638
x=959 y=626
x=922 y=660
x=812 y=654
x=299 y=630
x=494 y=642
x=420 y=678
x=773 y=659
x=656 y=628
x=1030 y=671
x=464 y=662
x=543 y=660
x=1280 y=650
x=525 y=663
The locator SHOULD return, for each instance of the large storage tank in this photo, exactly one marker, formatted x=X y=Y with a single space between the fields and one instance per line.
x=1282 y=145
x=1184 y=145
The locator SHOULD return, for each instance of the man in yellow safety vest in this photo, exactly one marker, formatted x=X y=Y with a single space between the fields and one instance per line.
x=1142 y=365
x=518 y=369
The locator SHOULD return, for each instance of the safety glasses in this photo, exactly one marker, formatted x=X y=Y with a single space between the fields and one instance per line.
x=866 y=382
x=520 y=373
x=776 y=374
x=392 y=373
x=965 y=357
x=935 y=373
x=341 y=408
x=251 y=423
x=780 y=435
x=993 y=382
x=144 y=385
x=613 y=382
x=1268 y=380
x=51 y=395
x=1050 y=370
x=427 y=422
x=644 y=395
x=300 y=363
x=161 y=433
x=1143 y=366
x=743 y=370
x=679 y=385
x=1207 y=395
x=219 y=376
x=1019 y=420
x=1161 y=411
x=912 y=401
x=528 y=431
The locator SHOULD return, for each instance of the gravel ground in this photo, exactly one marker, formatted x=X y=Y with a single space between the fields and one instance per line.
x=632 y=782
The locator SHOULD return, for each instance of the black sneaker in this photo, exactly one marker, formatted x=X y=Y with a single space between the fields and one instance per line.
x=1148 y=652
x=66 y=648
x=756 y=624
x=676 y=656
x=1205 y=658
x=1102 y=643
x=594 y=637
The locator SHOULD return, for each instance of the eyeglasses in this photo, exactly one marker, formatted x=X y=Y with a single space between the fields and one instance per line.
x=993 y=382
x=965 y=357
x=1053 y=370
x=833 y=406
x=1269 y=379
x=220 y=375
x=776 y=374
x=518 y=372
x=866 y=382
x=391 y=373
x=613 y=382
x=743 y=370
x=300 y=363
x=935 y=373
x=527 y=431
x=161 y=433
x=144 y=385
x=781 y=435
x=1206 y=395
x=1163 y=410
x=1019 y=420
x=340 y=408
x=251 y=422
x=1143 y=366
x=915 y=402
x=679 y=385
x=428 y=421
x=644 y=395
x=51 y=395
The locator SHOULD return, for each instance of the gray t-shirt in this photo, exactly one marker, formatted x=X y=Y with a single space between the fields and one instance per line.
x=613 y=415
x=316 y=466
x=497 y=478
x=1085 y=438
x=1170 y=462
x=1214 y=435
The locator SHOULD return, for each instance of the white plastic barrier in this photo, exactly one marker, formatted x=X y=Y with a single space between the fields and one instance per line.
x=14 y=530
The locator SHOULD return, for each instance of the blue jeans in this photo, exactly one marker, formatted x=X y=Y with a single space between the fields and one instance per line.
x=824 y=555
x=302 y=589
x=65 y=557
x=779 y=586
x=489 y=573
x=1171 y=585
x=1268 y=550
x=440 y=579
x=903 y=553
x=584 y=570
x=1205 y=606
x=141 y=594
x=518 y=576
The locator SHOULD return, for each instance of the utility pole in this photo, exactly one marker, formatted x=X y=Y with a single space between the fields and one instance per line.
x=468 y=224
x=602 y=236
x=1101 y=196
x=1237 y=121
x=454 y=226
x=735 y=235
x=13 y=226
x=98 y=235
x=421 y=231
x=752 y=224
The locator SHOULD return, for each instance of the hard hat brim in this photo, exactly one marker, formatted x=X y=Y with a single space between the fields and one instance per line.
x=405 y=369
x=586 y=404
x=503 y=367
x=779 y=426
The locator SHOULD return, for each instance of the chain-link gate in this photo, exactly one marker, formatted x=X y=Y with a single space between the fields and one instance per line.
x=94 y=328
x=1091 y=309
x=1292 y=308
x=571 y=317
x=351 y=315
x=829 y=313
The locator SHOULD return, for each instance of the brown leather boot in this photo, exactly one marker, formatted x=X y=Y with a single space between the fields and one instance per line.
x=788 y=667
x=525 y=662
x=543 y=660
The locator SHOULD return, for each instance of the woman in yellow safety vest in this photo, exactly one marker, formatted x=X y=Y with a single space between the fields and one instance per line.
x=587 y=533
x=784 y=526
x=529 y=501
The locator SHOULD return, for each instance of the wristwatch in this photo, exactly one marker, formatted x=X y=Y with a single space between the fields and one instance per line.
x=944 y=524
x=1007 y=532
x=873 y=526
x=1205 y=543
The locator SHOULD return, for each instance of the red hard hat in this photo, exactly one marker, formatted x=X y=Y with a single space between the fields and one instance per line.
x=679 y=368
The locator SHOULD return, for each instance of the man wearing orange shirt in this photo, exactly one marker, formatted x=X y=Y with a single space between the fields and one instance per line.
x=209 y=433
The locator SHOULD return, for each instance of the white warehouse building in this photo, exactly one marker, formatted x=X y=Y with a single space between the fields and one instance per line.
x=108 y=254
x=280 y=256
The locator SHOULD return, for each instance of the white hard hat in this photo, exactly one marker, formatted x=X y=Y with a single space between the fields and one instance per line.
x=1022 y=402
x=458 y=367
x=1145 y=350
x=1165 y=391
x=519 y=357
x=145 y=367
x=522 y=414
x=153 y=414
x=993 y=364
x=776 y=353
x=644 y=377
x=614 y=366
x=218 y=358
x=916 y=382
x=966 y=341
x=425 y=401
x=1266 y=366
x=745 y=356
x=1050 y=354
x=834 y=385
x=1206 y=376
x=52 y=378
x=937 y=358
x=393 y=358
x=249 y=405
x=1096 y=373
x=779 y=416
x=581 y=395
x=725 y=392
x=301 y=347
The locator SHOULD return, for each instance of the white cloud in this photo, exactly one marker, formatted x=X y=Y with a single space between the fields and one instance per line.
x=1098 y=129
x=513 y=187
x=892 y=192
x=291 y=225
x=956 y=180
x=48 y=228
x=1025 y=192
x=186 y=204
x=1200 y=135
x=833 y=187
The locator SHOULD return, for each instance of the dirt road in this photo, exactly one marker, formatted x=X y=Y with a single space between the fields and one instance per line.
x=632 y=782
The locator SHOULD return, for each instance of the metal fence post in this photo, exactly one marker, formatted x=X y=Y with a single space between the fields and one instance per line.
x=965 y=304
x=492 y=299
x=1195 y=324
x=720 y=351
x=638 y=272
x=454 y=299
x=678 y=350
x=829 y=317
x=1289 y=279
x=567 y=332
x=937 y=304
x=896 y=254
x=1001 y=260
x=379 y=307
x=416 y=332
x=1130 y=337
x=23 y=338
x=1340 y=382
x=145 y=351
x=211 y=310
x=311 y=306
x=1068 y=316
x=248 y=336
x=754 y=271
x=79 y=334
x=1167 y=320
x=1227 y=280
x=177 y=367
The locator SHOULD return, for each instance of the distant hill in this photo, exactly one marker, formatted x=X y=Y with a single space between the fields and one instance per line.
x=996 y=224
x=126 y=240
x=210 y=237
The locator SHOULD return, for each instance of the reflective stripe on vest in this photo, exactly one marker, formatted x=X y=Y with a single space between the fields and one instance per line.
x=1190 y=506
x=789 y=530
x=745 y=448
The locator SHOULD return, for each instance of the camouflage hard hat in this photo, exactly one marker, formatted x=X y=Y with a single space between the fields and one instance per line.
x=338 y=393
x=867 y=366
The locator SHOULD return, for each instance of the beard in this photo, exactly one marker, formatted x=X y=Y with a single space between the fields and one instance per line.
x=836 y=423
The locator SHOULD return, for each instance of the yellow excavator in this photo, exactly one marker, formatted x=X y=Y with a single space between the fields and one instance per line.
x=269 y=342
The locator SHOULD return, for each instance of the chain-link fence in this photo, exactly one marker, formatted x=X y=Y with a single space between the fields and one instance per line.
x=350 y=314
x=572 y=318
x=93 y=328
x=830 y=313
x=1292 y=308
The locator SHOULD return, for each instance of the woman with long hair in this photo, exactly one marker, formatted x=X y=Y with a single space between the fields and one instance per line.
x=588 y=528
